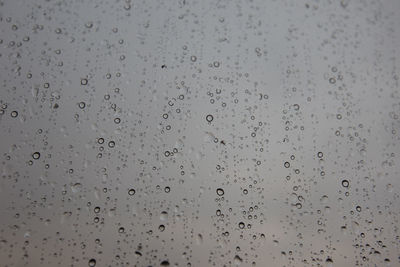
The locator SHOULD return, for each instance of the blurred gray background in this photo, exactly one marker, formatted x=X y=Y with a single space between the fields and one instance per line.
x=199 y=133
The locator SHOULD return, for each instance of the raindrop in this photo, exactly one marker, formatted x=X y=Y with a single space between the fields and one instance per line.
x=237 y=260
x=76 y=187
x=36 y=155
x=164 y=216
x=14 y=114
x=286 y=164
x=131 y=192
x=220 y=192
x=111 y=144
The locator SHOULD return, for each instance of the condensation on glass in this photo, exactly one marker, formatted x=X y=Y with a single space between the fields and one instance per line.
x=199 y=133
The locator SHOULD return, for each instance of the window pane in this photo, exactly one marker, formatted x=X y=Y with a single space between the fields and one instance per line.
x=199 y=133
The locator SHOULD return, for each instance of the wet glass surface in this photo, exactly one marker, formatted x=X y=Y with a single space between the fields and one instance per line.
x=199 y=133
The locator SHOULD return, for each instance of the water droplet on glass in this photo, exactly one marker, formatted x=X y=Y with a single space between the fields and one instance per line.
x=36 y=155
x=92 y=262
x=345 y=183
x=209 y=118
x=14 y=114
x=131 y=192
x=220 y=192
